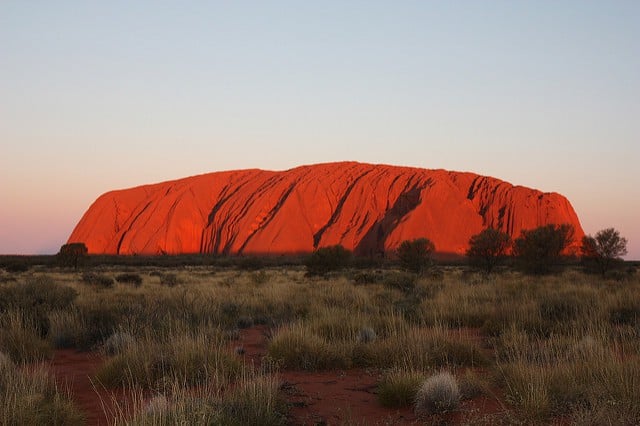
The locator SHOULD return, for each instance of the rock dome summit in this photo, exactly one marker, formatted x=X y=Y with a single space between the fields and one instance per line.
x=369 y=209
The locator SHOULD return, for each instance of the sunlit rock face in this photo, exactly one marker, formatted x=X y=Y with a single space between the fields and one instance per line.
x=367 y=208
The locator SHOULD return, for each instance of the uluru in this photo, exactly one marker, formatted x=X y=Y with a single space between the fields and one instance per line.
x=367 y=208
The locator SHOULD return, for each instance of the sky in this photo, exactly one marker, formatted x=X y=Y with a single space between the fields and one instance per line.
x=102 y=95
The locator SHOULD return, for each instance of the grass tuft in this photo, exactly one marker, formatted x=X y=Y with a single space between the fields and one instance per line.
x=438 y=394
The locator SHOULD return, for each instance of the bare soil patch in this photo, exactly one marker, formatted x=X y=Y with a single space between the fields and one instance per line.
x=74 y=370
x=331 y=397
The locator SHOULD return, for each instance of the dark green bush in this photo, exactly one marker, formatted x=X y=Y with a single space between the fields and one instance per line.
x=37 y=292
x=603 y=252
x=367 y=277
x=16 y=266
x=129 y=278
x=169 y=279
x=98 y=323
x=488 y=248
x=400 y=281
x=539 y=250
x=416 y=255
x=560 y=307
x=259 y=277
x=628 y=314
x=97 y=280
x=72 y=255
x=250 y=263
x=327 y=259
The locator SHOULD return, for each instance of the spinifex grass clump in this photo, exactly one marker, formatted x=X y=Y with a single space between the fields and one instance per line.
x=299 y=348
x=192 y=360
x=367 y=335
x=253 y=400
x=438 y=394
x=570 y=376
x=33 y=398
x=38 y=292
x=20 y=339
x=118 y=342
x=558 y=345
x=398 y=387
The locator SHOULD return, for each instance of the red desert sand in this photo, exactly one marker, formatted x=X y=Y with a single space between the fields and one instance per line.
x=319 y=397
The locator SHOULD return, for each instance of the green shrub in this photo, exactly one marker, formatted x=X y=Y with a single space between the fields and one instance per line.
x=16 y=266
x=603 y=252
x=327 y=259
x=488 y=249
x=98 y=322
x=72 y=255
x=367 y=277
x=39 y=292
x=97 y=280
x=416 y=255
x=539 y=250
x=65 y=327
x=259 y=277
x=38 y=296
x=400 y=281
x=560 y=307
x=250 y=263
x=169 y=279
x=625 y=313
x=129 y=278
x=244 y=322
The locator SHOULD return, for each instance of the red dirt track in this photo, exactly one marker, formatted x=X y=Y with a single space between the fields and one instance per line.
x=74 y=371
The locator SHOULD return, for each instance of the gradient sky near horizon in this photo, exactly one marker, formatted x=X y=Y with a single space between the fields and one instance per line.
x=101 y=95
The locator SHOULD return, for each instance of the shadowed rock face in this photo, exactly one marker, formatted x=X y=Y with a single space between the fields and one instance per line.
x=366 y=208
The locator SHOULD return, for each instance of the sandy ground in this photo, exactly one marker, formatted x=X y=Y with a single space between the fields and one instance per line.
x=333 y=397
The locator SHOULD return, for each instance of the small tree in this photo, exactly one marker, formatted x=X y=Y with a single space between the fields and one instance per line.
x=72 y=254
x=488 y=248
x=539 y=249
x=416 y=255
x=604 y=251
x=327 y=259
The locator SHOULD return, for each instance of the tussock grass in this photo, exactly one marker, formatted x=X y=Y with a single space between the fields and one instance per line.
x=253 y=400
x=150 y=364
x=20 y=340
x=64 y=328
x=298 y=347
x=398 y=387
x=437 y=394
x=33 y=398
x=559 y=345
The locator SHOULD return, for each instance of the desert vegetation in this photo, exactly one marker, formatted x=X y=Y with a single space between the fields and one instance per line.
x=459 y=346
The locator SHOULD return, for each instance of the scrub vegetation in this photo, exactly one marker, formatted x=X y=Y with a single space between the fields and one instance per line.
x=544 y=348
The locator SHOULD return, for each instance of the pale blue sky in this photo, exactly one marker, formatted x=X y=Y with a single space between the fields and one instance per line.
x=101 y=95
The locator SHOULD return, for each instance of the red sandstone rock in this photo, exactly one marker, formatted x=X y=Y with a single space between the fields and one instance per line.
x=366 y=208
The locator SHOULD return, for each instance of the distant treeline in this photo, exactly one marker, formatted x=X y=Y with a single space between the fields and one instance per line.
x=21 y=263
